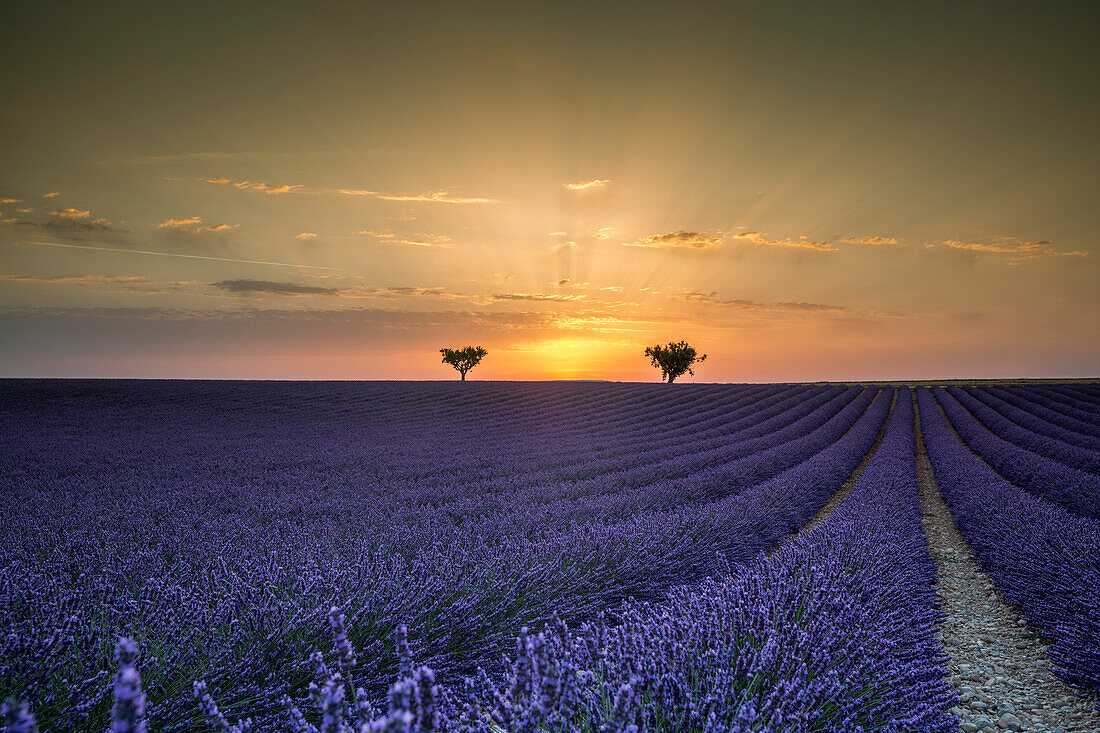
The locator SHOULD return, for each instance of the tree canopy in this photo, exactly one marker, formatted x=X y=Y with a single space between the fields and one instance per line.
x=674 y=360
x=465 y=359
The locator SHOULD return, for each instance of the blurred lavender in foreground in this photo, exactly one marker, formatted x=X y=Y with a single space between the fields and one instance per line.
x=128 y=713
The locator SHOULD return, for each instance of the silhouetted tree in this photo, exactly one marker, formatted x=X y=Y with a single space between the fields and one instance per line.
x=463 y=359
x=673 y=360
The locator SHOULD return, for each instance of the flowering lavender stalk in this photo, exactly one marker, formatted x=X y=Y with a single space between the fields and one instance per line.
x=345 y=652
x=128 y=713
x=298 y=722
x=332 y=711
x=17 y=717
x=213 y=715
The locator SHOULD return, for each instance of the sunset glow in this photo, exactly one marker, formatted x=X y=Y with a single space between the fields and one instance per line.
x=804 y=194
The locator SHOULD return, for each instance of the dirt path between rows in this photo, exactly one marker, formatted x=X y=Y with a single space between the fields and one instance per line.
x=846 y=488
x=998 y=665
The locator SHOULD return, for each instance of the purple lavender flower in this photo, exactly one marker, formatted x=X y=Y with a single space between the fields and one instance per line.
x=345 y=653
x=17 y=717
x=128 y=713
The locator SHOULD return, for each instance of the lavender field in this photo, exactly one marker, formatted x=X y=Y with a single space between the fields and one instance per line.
x=510 y=556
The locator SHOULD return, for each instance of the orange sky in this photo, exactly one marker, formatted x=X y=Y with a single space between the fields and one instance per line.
x=875 y=191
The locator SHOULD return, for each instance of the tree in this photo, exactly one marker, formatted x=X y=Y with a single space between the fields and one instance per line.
x=673 y=360
x=463 y=359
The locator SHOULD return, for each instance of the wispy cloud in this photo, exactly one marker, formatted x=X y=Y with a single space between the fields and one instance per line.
x=51 y=195
x=260 y=186
x=537 y=297
x=69 y=224
x=592 y=185
x=268 y=287
x=180 y=223
x=416 y=240
x=71 y=214
x=306 y=235
x=193 y=235
x=10 y=201
x=811 y=307
x=674 y=240
x=111 y=279
x=181 y=255
x=870 y=240
x=605 y=233
x=439 y=197
x=193 y=224
x=712 y=298
x=1013 y=249
x=105 y=283
x=802 y=242
x=290 y=289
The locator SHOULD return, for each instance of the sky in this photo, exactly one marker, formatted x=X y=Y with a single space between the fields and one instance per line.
x=336 y=190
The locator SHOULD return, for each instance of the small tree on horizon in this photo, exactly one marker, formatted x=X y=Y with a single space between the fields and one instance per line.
x=674 y=360
x=463 y=360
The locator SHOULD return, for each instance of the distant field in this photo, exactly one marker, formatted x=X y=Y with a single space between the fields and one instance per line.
x=217 y=523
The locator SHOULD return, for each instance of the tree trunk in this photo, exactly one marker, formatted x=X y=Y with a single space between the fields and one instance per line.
x=670 y=378
x=463 y=376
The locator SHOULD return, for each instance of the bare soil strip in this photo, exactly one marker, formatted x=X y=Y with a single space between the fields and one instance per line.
x=999 y=666
x=840 y=494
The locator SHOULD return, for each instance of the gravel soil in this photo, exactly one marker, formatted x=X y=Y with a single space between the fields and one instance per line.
x=998 y=664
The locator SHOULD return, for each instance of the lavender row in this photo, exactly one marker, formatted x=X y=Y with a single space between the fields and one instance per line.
x=1060 y=402
x=1043 y=558
x=232 y=579
x=1074 y=427
x=1034 y=418
x=1072 y=456
x=834 y=632
x=1074 y=490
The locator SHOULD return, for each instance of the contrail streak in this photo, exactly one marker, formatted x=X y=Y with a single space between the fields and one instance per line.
x=177 y=254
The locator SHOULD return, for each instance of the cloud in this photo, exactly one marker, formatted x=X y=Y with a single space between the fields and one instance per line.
x=69 y=223
x=803 y=242
x=559 y=234
x=10 y=201
x=71 y=214
x=804 y=306
x=592 y=185
x=712 y=298
x=403 y=291
x=440 y=197
x=1013 y=249
x=51 y=195
x=74 y=278
x=747 y=304
x=191 y=233
x=605 y=233
x=681 y=239
x=180 y=223
x=869 y=240
x=181 y=255
x=194 y=224
x=417 y=240
x=268 y=287
x=253 y=185
x=306 y=235
x=537 y=297
x=111 y=283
